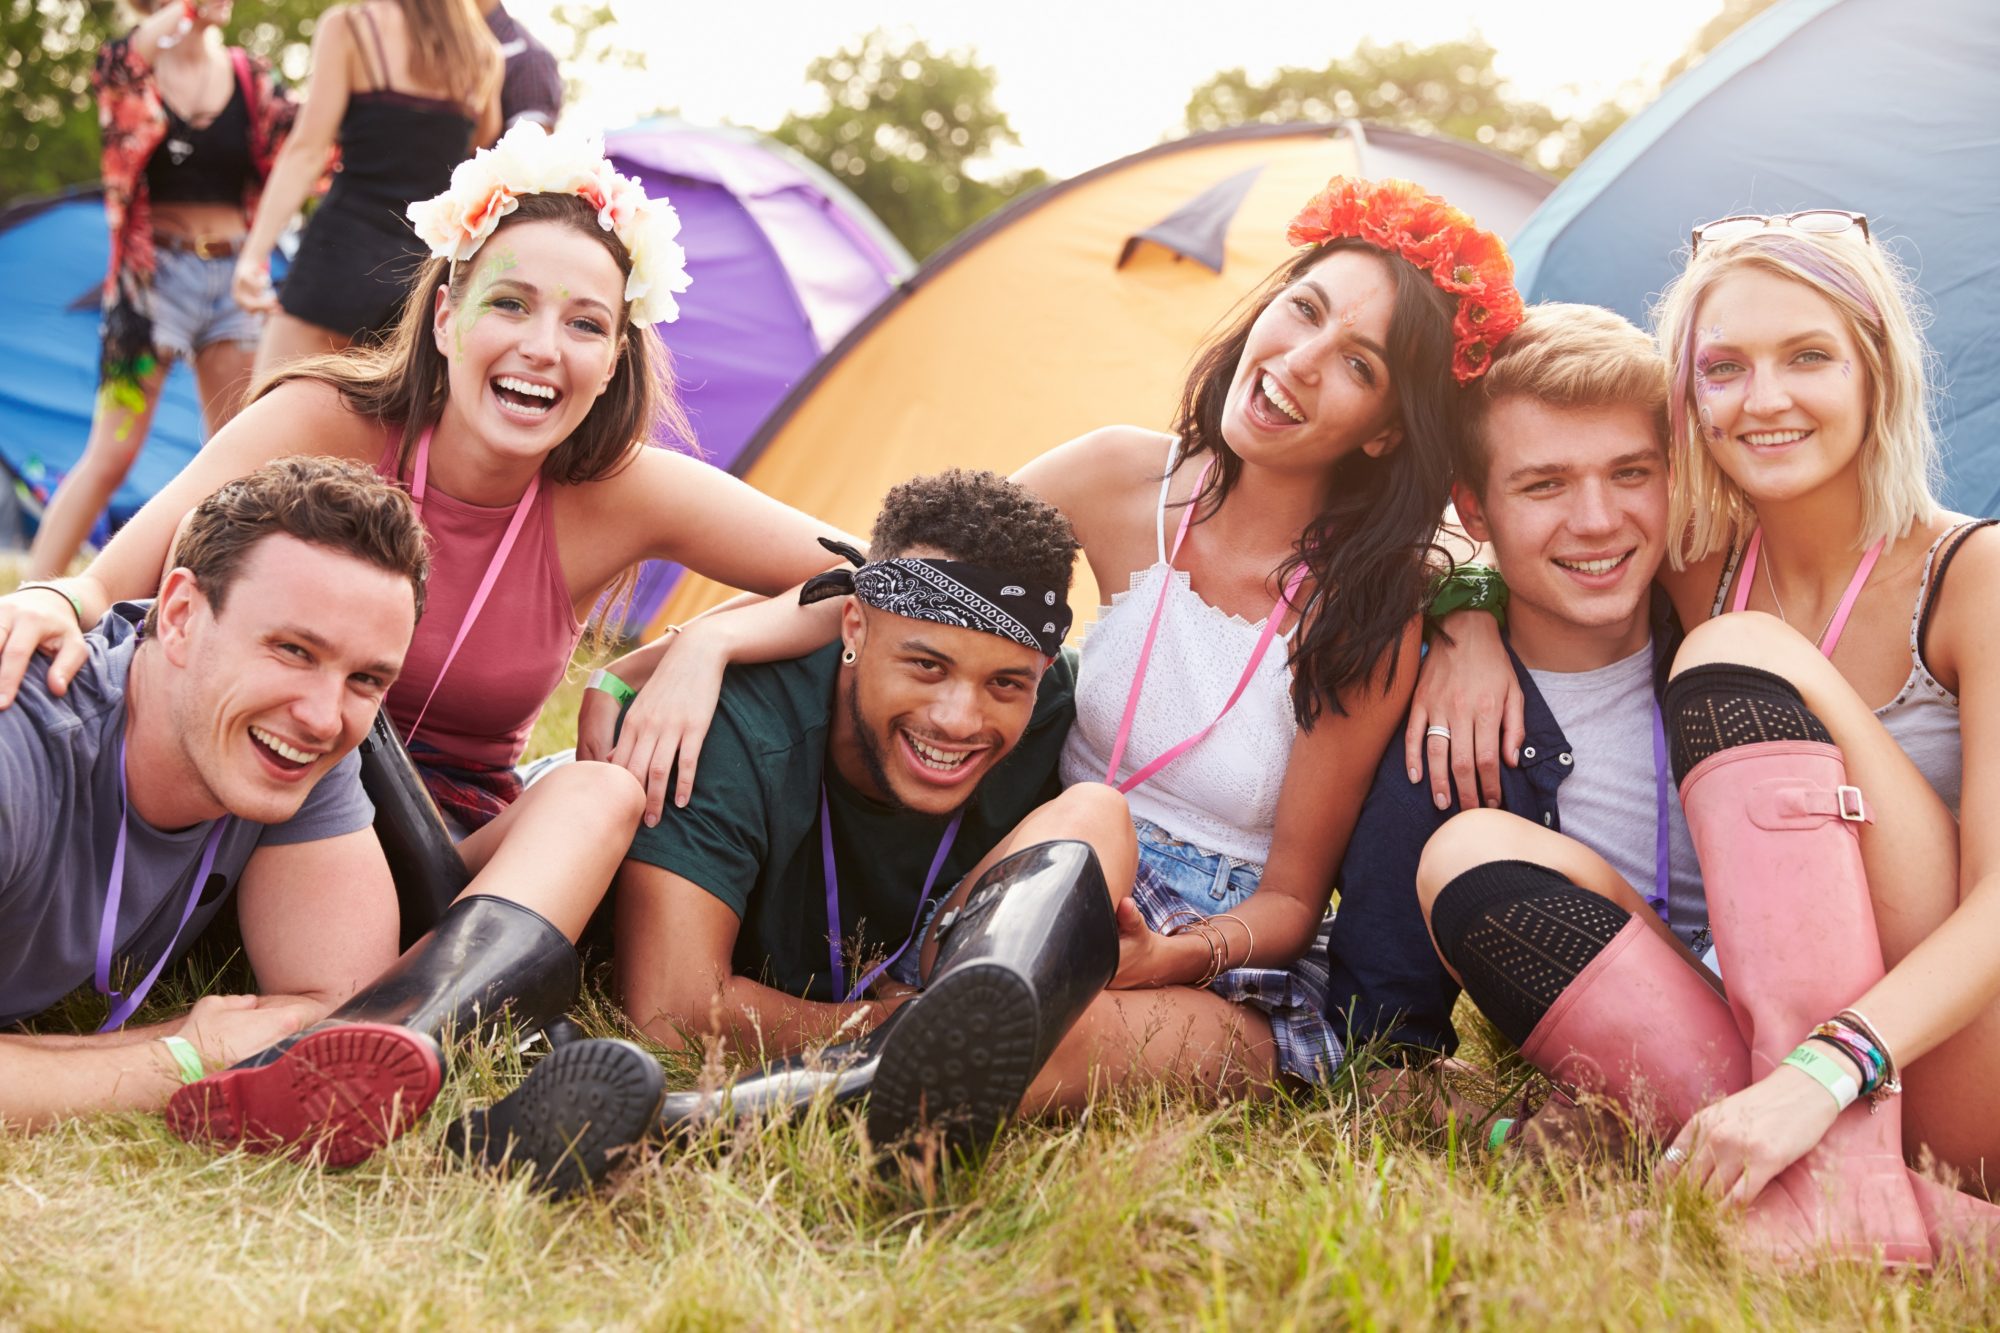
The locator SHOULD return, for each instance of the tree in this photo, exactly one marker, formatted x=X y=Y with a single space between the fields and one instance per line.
x=1733 y=15
x=1450 y=89
x=584 y=38
x=906 y=128
x=48 y=119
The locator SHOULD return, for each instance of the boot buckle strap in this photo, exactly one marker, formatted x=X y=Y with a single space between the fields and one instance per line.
x=1793 y=803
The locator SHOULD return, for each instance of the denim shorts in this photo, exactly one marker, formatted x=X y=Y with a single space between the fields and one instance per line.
x=1207 y=881
x=192 y=307
x=1174 y=875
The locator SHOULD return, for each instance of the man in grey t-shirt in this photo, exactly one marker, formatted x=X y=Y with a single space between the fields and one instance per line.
x=206 y=746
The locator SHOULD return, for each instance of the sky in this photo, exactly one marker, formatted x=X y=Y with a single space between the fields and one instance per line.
x=1088 y=81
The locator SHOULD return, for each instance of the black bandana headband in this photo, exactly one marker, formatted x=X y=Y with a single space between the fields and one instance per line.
x=948 y=592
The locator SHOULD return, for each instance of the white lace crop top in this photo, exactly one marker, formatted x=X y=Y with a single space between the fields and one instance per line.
x=1221 y=795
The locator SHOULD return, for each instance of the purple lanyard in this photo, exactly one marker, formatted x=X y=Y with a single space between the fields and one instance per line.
x=107 y=928
x=834 y=933
x=1663 y=840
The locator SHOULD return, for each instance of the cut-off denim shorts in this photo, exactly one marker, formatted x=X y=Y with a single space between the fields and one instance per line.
x=192 y=307
x=1174 y=875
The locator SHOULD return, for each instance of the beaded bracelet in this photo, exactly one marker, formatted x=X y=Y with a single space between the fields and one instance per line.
x=1891 y=1082
x=1867 y=1060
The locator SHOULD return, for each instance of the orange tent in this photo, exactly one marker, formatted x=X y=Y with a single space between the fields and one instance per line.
x=1079 y=306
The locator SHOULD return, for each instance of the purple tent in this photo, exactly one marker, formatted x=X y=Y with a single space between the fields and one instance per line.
x=784 y=260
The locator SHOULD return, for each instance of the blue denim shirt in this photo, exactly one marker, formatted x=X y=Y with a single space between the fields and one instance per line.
x=1387 y=983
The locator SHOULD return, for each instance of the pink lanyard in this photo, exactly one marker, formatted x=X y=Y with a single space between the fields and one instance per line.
x=1283 y=604
x=114 y=891
x=1831 y=634
x=522 y=508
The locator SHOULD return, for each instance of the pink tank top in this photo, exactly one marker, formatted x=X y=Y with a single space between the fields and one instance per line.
x=518 y=648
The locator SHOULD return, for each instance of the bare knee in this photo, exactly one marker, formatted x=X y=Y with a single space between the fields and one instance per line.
x=1473 y=838
x=1746 y=638
x=604 y=798
x=1089 y=811
x=1094 y=813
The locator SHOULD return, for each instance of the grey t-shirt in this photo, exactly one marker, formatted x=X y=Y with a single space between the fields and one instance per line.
x=1610 y=802
x=59 y=809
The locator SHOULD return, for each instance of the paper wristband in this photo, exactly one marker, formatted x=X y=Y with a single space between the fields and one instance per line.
x=601 y=679
x=1828 y=1072
x=186 y=1056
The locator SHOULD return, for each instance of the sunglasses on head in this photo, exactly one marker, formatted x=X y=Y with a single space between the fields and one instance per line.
x=1818 y=221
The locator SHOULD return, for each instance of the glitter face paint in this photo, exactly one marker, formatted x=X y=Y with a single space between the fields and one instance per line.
x=477 y=303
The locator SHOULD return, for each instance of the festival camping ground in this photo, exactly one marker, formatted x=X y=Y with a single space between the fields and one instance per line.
x=1307 y=1213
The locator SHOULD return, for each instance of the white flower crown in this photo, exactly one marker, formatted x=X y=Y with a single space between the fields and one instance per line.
x=530 y=160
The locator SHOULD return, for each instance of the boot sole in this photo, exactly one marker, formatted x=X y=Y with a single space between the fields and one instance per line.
x=570 y=1117
x=960 y=1062
x=341 y=1093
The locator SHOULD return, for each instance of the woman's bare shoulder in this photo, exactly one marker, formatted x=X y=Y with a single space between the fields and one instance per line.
x=1108 y=459
x=318 y=417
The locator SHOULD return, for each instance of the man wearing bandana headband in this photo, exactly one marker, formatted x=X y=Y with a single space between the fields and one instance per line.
x=894 y=796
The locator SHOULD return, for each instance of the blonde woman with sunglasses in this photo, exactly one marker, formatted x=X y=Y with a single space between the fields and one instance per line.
x=1832 y=709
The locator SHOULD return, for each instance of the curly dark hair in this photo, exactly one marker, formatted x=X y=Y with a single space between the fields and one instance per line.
x=981 y=518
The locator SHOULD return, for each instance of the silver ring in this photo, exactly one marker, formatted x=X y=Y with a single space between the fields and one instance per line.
x=1677 y=1155
x=1437 y=729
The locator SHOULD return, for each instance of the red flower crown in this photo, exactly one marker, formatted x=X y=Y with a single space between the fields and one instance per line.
x=1402 y=219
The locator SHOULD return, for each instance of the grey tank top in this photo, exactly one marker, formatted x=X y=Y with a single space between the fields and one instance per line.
x=1923 y=717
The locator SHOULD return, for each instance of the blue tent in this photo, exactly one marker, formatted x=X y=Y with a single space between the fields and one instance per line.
x=52 y=258
x=1886 y=107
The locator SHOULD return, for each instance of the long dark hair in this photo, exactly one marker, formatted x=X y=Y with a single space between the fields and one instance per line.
x=1368 y=550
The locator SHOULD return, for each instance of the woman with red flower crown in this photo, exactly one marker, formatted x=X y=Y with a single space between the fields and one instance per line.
x=1241 y=693
x=1827 y=720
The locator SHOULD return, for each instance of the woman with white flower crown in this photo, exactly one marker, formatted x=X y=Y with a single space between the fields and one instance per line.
x=515 y=400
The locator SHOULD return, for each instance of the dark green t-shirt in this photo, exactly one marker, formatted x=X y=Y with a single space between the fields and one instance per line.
x=750 y=835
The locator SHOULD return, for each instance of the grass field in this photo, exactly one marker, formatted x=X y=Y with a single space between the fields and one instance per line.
x=1151 y=1212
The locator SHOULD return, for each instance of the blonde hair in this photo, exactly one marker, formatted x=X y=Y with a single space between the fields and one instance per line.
x=1567 y=356
x=1899 y=466
x=451 y=48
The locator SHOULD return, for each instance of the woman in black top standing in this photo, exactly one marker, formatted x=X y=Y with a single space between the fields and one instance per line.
x=190 y=127
x=409 y=87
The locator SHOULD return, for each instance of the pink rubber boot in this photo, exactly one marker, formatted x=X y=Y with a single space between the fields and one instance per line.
x=1638 y=1025
x=1960 y=1225
x=1775 y=825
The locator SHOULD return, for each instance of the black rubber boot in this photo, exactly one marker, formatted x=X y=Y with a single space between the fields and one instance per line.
x=1016 y=966
x=575 y=1117
x=487 y=955
x=427 y=868
x=1035 y=942
x=361 y=1076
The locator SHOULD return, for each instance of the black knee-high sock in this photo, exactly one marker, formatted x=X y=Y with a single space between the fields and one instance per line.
x=1714 y=707
x=1518 y=934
